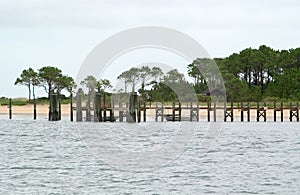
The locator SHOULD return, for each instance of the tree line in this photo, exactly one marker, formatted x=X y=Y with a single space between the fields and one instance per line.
x=255 y=74
x=49 y=78
x=250 y=75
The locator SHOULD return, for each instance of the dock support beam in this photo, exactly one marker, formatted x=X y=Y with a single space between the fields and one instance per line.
x=54 y=108
x=228 y=112
x=294 y=112
x=133 y=107
x=78 y=108
x=10 y=108
x=159 y=112
x=97 y=108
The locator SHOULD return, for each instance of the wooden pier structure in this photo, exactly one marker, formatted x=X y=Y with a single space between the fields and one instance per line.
x=132 y=109
x=100 y=107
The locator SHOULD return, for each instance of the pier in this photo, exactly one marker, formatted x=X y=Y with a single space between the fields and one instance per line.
x=131 y=108
x=100 y=107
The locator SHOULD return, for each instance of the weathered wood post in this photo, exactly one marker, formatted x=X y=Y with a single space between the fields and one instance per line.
x=231 y=110
x=112 y=110
x=198 y=112
x=97 y=108
x=291 y=111
x=257 y=112
x=145 y=114
x=228 y=112
x=34 y=109
x=248 y=112
x=194 y=112
x=281 y=111
x=139 y=114
x=133 y=104
x=242 y=112
x=225 y=112
x=71 y=107
x=215 y=111
x=179 y=111
x=261 y=112
x=104 y=108
x=53 y=108
x=297 y=111
x=59 y=109
x=88 y=108
x=173 y=111
x=78 y=107
x=265 y=112
x=208 y=111
x=275 y=110
x=120 y=112
x=294 y=112
x=159 y=112
x=10 y=108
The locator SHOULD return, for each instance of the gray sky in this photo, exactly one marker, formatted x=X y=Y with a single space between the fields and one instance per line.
x=36 y=33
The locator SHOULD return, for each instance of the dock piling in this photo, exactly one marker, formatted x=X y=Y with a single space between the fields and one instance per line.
x=78 y=108
x=10 y=108
x=54 y=107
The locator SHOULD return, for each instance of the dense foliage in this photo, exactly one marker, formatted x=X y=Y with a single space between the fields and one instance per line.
x=263 y=73
x=250 y=75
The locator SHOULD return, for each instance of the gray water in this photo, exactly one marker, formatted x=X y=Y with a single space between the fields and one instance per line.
x=41 y=157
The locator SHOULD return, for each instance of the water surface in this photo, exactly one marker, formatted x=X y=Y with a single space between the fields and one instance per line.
x=41 y=157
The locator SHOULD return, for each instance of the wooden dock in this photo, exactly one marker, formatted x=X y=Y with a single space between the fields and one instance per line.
x=132 y=109
x=198 y=111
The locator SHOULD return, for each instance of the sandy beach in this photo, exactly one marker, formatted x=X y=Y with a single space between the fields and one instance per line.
x=28 y=109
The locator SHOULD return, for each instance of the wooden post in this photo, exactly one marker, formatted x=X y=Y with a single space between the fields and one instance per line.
x=88 y=108
x=59 y=109
x=231 y=110
x=275 y=110
x=156 y=112
x=112 y=111
x=297 y=111
x=179 y=117
x=291 y=111
x=228 y=112
x=104 y=108
x=281 y=111
x=97 y=109
x=242 y=112
x=162 y=113
x=139 y=116
x=198 y=113
x=121 y=116
x=120 y=112
x=265 y=112
x=78 y=108
x=257 y=112
x=133 y=104
x=248 y=112
x=173 y=112
x=10 y=108
x=145 y=112
x=208 y=111
x=34 y=109
x=191 y=111
x=215 y=111
x=71 y=107
x=53 y=108
x=225 y=112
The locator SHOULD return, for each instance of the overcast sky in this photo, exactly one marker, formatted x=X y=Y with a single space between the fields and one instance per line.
x=62 y=32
